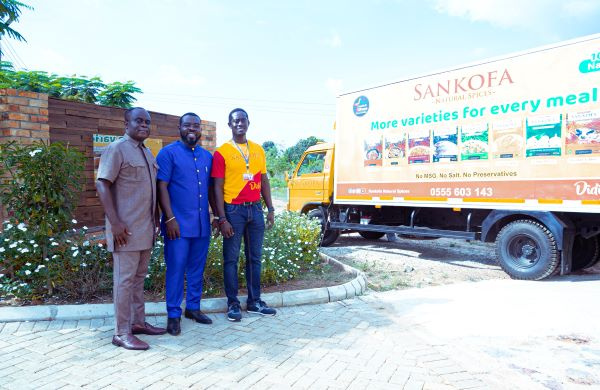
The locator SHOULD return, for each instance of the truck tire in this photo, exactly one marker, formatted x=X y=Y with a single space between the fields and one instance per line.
x=371 y=235
x=586 y=252
x=328 y=236
x=527 y=250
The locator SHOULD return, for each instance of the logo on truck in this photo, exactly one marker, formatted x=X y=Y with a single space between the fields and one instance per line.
x=360 y=106
x=582 y=187
x=465 y=84
x=590 y=65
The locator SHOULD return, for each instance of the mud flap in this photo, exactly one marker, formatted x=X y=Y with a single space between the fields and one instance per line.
x=566 y=254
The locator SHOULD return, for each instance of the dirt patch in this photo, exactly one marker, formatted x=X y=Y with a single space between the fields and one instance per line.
x=573 y=339
x=406 y=263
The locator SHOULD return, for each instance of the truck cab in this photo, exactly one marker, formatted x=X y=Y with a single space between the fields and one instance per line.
x=311 y=183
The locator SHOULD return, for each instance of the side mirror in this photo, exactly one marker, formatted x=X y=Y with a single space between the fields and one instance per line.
x=286 y=176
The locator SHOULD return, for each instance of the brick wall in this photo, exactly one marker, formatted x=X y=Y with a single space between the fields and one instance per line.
x=27 y=116
x=24 y=116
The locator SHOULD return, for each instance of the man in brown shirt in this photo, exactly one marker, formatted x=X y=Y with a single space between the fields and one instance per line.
x=126 y=186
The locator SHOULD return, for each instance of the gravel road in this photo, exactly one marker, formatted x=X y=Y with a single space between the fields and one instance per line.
x=406 y=263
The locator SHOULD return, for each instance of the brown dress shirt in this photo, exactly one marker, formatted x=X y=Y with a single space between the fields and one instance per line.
x=131 y=168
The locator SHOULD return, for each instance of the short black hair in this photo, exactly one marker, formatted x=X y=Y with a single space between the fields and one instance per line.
x=130 y=110
x=237 y=110
x=190 y=114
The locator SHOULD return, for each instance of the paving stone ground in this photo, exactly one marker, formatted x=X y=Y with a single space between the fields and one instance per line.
x=351 y=344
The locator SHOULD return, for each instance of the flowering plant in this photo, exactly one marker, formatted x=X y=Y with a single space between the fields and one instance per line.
x=80 y=268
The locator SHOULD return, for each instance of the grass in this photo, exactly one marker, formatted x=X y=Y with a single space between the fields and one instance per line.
x=380 y=277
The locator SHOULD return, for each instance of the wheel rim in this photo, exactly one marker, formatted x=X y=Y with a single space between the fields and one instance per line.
x=524 y=251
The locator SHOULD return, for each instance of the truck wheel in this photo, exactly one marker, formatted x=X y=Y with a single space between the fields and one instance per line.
x=371 y=235
x=586 y=252
x=527 y=250
x=328 y=236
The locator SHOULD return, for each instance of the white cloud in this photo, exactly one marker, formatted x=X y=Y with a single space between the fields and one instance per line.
x=333 y=41
x=334 y=86
x=528 y=14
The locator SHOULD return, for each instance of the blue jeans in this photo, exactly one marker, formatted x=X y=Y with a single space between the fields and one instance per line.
x=184 y=256
x=248 y=222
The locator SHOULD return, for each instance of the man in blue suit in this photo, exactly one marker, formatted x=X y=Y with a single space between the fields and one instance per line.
x=184 y=194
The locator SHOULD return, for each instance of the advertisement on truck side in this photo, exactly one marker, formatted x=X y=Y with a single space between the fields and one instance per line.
x=521 y=131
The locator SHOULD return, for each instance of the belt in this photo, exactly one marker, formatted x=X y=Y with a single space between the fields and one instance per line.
x=245 y=203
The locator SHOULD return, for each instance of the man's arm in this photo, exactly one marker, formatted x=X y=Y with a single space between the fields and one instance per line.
x=213 y=206
x=119 y=230
x=265 y=190
x=224 y=225
x=164 y=200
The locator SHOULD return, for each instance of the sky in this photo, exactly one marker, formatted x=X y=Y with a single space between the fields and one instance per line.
x=284 y=62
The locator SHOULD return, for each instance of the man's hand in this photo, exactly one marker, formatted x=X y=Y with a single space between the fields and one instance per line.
x=226 y=229
x=120 y=233
x=215 y=228
x=270 y=219
x=172 y=229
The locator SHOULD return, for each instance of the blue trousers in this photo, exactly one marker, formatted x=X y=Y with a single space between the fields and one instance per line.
x=185 y=256
x=248 y=223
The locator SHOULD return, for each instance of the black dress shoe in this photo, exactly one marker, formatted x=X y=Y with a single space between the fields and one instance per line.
x=173 y=326
x=198 y=316
x=147 y=329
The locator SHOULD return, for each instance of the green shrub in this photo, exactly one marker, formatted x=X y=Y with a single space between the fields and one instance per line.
x=155 y=280
x=40 y=187
x=290 y=247
x=77 y=268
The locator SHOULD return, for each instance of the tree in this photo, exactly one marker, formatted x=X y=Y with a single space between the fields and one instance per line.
x=81 y=88
x=279 y=161
x=293 y=154
x=273 y=156
x=119 y=94
x=78 y=88
x=10 y=11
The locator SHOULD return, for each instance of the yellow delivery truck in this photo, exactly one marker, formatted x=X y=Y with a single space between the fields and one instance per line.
x=506 y=150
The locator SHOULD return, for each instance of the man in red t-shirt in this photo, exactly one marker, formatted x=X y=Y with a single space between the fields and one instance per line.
x=240 y=178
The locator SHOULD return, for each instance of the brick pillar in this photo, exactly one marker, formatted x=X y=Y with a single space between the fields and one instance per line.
x=24 y=119
x=209 y=136
x=24 y=116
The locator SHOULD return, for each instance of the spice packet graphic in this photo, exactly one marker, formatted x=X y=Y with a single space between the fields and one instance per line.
x=507 y=139
x=373 y=150
x=394 y=150
x=543 y=135
x=474 y=142
x=582 y=132
x=419 y=146
x=445 y=146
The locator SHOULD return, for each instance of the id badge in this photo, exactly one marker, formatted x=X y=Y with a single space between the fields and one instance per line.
x=248 y=176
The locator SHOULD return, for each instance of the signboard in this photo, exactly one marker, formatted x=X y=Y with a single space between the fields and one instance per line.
x=101 y=141
x=524 y=129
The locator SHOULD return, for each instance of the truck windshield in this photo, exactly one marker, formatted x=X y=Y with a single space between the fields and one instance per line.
x=312 y=163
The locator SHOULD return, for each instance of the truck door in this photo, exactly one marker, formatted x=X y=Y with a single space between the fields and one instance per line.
x=308 y=183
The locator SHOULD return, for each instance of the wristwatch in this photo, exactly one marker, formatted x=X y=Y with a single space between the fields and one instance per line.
x=270 y=210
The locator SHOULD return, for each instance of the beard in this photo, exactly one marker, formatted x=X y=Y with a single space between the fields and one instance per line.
x=190 y=139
